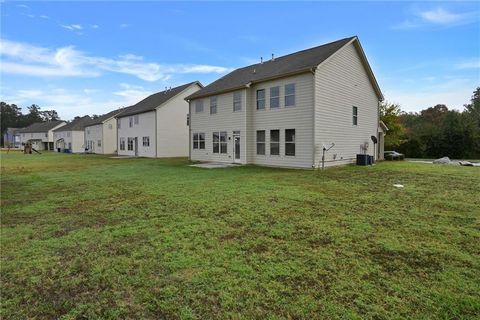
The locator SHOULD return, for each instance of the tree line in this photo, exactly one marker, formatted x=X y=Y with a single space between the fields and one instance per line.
x=434 y=132
x=11 y=116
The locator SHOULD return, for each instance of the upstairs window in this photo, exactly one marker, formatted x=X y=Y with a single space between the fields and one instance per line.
x=135 y=119
x=274 y=97
x=290 y=95
x=118 y=125
x=237 y=101
x=261 y=99
x=274 y=142
x=354 y=116
x=290 y=142
x=199 y=106
x=213 y=105
x=130 y=122
x=261 y=142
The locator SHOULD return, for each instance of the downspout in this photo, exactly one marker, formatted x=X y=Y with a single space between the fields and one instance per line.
x=314 y=113
x=156 y=138
x=118 y=137
x=189 y=115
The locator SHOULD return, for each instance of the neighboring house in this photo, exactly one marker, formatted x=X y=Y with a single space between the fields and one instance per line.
x=11 y=138
x=157 y=126
x=284 y=111
x=71 y=137
x=101 y=134
x=40 y=134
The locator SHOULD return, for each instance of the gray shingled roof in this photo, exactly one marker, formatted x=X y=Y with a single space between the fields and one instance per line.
x=76 y=125
x=301 y=61
x=156 y=99
x=41 y=126
x=102 y=118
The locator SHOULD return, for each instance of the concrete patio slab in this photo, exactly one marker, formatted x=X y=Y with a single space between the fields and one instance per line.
x=214 y=165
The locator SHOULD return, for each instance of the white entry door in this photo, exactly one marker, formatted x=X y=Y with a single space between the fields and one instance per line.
x=236 y=147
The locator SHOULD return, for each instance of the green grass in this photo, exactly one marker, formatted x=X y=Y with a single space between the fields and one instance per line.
x=99 y=238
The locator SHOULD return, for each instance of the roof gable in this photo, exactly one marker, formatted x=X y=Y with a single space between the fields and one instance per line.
x=41 y=126
x=153 y=101
x=76 y=125
x=294 y=63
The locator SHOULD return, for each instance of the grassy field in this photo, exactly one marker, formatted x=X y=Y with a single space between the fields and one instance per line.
x=99 y=238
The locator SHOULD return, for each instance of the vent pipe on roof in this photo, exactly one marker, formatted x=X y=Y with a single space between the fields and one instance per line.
x=165 y=91
x=254 y=70
x=273 y=57
x=170 y=89
x=261 y=60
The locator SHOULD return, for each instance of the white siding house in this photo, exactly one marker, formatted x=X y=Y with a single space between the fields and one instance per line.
x=40 y=134
x=71 y=137
x=156 y=126
x=101 y=134
x=283 y=112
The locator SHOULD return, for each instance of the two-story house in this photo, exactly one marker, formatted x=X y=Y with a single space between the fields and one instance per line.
x=40 y=134
x=157 y=126
x=101 y=134
x=285 y=111
x=71 y=137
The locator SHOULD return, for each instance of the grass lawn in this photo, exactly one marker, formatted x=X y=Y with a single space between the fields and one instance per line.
x=99 y=238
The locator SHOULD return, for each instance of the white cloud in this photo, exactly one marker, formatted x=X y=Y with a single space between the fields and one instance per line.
x=31 y=60
x=454 y=93
x=468 y=64
x=439 y=17
x=23 y=6
x=70 y=104
x=44 y=16
x=73 y=27
x=95 y=26
x=124 y=25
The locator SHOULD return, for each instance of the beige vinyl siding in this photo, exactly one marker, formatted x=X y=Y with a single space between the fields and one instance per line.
x=144 y=128
x=172 y=129
x=340 y=83
x=298 y=117
x=109 y=136
x=224 y=120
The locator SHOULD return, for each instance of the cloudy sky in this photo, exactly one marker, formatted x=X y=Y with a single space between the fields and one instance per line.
x=92 y=57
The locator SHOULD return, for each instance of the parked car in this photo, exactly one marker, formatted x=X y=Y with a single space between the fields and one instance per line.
x=393 y=155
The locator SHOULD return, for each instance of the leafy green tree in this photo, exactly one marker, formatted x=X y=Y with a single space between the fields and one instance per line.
x=389 y=114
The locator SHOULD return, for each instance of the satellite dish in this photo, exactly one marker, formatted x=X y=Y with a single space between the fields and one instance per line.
x=374 y=139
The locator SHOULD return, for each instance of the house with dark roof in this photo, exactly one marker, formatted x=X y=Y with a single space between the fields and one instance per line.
x=298 y=110
x=71 y=137
x=40 y=134
x=101 y=133
x=157 y=126
x=11 y=138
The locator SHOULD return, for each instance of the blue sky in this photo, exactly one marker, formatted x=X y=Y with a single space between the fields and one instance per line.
x=91 y=57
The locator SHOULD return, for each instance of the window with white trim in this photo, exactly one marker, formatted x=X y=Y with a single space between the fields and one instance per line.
x=219 y=142
x=135 y=119
x=130 y=144
x=130 y=122
x=119 y=121
x=354 y=115
x=290 y=142
x=99 y=143
x=261 y=142
x=122 y=143
x=290 y=95
x=237 y=101
x=199 y=140
x=146 y=141
x=274 y=97
x=274 y=142
x=261 y=99
x=213 y=105
x=199 y=105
